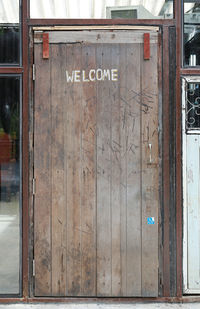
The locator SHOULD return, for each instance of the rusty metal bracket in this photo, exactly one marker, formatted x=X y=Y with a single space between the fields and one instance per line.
x=45 y=46
x=146 y=46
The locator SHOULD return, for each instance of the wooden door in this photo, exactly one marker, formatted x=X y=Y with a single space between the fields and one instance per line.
x=96 y=164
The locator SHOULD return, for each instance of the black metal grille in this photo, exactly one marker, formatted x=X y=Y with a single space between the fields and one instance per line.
x=193 y=106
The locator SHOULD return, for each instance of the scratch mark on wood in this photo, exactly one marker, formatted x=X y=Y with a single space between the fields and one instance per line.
x=133 y=126
x=124 y=118
x=117 y=144
x=60 y=221
x=92 y=131
x=82 y=231
x=131 y=149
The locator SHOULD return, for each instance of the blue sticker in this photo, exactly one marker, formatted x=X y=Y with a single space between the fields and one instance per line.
x=150 y=220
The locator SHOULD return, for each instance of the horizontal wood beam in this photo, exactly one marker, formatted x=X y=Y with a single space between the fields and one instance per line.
x=82 y=22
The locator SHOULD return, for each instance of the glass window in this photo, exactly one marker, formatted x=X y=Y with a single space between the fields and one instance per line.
x=140 y=9
x=191 y=33
x=9 y=32
x=10 y=184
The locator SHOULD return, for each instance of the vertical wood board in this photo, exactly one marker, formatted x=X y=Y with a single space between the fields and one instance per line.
x=58 y=174
x=104 y=229
x=133 y=154
x=42 y=174
x=73 y=170
x=88 y=183
x=150 y=175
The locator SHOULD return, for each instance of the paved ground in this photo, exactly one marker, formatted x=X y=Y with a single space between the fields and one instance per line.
x=102 y=306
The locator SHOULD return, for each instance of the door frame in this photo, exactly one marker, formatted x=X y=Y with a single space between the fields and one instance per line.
x=185 y=290
x=31 y=137
x=169 y=291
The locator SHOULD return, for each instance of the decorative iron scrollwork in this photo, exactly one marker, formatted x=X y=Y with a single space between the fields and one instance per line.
x=193 y=106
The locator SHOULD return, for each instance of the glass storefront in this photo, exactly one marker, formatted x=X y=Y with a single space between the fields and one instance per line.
x=191 y=33
x=10 y=166
x=9 y=32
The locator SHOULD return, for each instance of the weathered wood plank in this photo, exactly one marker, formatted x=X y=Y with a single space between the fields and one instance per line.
x=73 y=170
x=88 y=182
x=114 y=101
x=58 y=178
x=42 y=174
x=123 y=174
x=133 y=158
x=99 y=37
x=150 y=175
x=104 y=245
x=37 y=30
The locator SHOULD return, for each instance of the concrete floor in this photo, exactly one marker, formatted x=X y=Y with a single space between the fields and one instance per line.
x=9 y=246
x=102 y=306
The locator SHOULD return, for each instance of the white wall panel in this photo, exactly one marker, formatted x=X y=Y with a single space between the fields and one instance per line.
x=193 y=209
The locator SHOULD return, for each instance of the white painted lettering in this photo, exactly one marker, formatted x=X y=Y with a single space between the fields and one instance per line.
x=84 y=79
x=90 y=75
x=70 y=78
x=99 y=74
x=114 y=74
x=77 y=77
x=106 y=74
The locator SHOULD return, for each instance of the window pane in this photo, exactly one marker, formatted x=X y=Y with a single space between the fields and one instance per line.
x=9 y=31
x=140 y=9
x=193 y=106
x=192 y=33
x=9 y=184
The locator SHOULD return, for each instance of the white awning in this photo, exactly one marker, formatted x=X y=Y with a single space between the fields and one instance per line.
x=9 y=9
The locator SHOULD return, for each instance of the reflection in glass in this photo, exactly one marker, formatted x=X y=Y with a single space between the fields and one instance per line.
x=9 y=31
x=140 y=9
x=193 y=106
x=192 y=33
x=9 y=184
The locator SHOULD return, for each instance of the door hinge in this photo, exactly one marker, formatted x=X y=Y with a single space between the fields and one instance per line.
x=33 y=71
x=33 y=186
x=33 y=268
